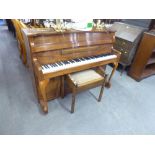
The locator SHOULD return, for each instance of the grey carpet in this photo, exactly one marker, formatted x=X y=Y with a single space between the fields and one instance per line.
x=128 y=107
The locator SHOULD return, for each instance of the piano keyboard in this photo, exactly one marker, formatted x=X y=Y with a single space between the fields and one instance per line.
x=62 y=65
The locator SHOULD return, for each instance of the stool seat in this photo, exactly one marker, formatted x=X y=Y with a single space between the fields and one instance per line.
x=83 y=80
x=85 y=77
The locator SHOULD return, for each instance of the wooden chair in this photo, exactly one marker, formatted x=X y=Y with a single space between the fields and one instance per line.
x=83 y=80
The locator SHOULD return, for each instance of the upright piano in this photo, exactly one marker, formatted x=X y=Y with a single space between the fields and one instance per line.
x=52 y=55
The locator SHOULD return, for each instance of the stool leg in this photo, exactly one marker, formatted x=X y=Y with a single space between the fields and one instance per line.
x=73 y=102
x=101 y=93
x=102 y=89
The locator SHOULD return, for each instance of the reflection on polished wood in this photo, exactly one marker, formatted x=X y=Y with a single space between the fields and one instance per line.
x=50 y=47
x=21 y=44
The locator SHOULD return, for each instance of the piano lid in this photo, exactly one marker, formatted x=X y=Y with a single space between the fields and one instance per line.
x=50 y=31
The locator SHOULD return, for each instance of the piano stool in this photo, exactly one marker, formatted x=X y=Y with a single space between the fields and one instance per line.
x=84 y=80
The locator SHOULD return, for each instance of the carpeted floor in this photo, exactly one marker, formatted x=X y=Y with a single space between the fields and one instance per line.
x=128 y=107
x=2 y=22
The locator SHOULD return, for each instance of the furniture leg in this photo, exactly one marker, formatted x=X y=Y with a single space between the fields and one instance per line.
x=102 y=89
x=108 y=84
x=123 y=69
x=62 y=87
x=73 y=101
x=42 y=86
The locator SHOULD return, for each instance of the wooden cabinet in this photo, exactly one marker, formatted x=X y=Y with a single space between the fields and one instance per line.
x=144 y=62
x=127 y=40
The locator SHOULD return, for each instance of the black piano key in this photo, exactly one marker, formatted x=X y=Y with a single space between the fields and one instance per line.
x=79 y=59
x=46 y=66
x=75 y=60
x=82 y=59
x=62 y=63
x=94 y=57
x=65 y=62
x=91 y=57
x=87 y=58
x=71 y=61
x=59 y=64
x=56 y=64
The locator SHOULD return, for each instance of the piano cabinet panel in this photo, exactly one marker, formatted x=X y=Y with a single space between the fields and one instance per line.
x=53 y=89
x=85 y=51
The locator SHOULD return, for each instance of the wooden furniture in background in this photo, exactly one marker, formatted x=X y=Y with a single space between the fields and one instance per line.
x=144 y=62
x=21 y=44
x=127 y=39
x=50 y=49
x=84 y=80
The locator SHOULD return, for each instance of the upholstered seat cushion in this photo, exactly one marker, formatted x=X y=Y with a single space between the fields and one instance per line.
x=85 y=77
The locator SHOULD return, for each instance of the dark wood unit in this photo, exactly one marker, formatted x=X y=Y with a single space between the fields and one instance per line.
x=128 y=35
x=127 y=39
x=144 y=62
